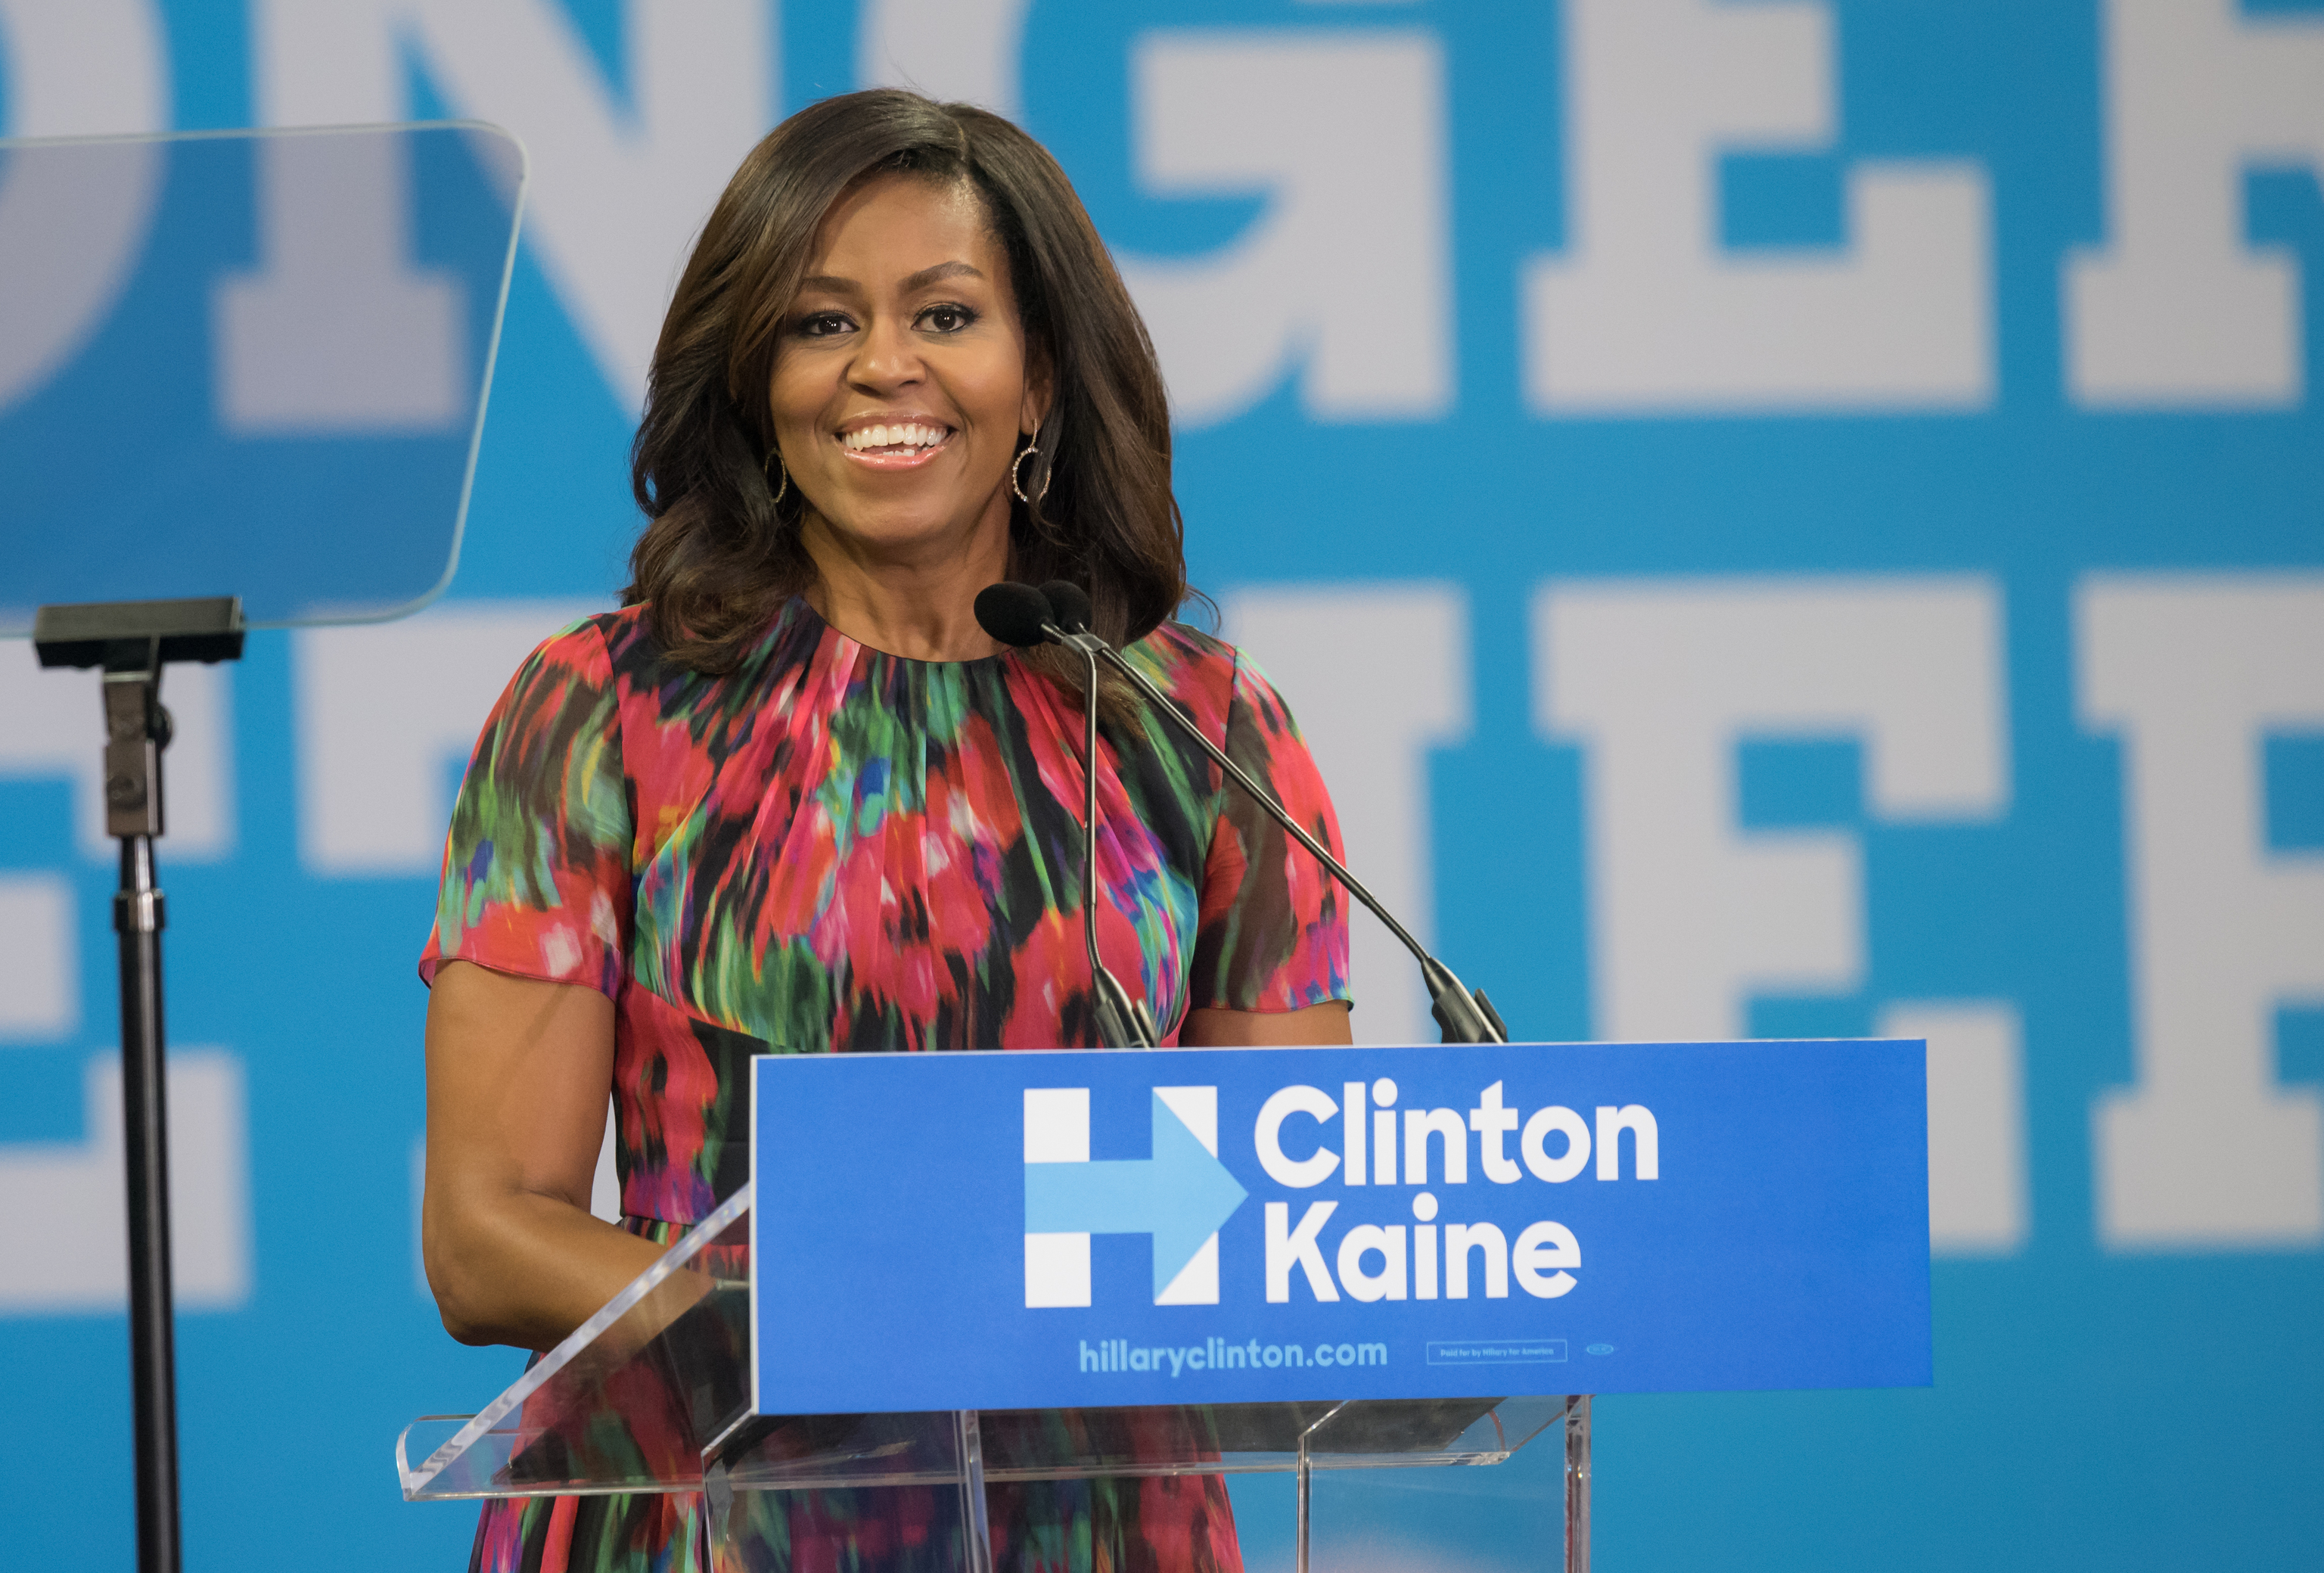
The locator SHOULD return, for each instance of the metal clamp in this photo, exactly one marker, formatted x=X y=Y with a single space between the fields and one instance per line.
x=140 y=911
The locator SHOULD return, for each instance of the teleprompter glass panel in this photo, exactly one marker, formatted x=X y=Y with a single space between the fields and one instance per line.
x=247 y=364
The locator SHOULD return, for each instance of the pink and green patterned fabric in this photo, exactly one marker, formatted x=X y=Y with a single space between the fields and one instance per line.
x=832 y=849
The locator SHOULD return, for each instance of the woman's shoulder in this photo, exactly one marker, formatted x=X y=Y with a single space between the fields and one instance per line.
x=1180 y=656
x=606 y=670
x=587 y=645
x=1207 y=676
x=622 y=648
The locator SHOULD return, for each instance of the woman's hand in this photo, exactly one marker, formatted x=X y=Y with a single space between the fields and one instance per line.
x=519 y=1073
x=1315 y=1026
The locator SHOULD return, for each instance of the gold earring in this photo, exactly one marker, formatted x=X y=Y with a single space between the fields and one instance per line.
x=1018 y=463
x=774 y=456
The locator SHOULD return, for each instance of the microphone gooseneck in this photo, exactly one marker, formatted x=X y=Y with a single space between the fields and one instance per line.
x=1465 y=1017
x=1059 y=613
x=1122 y=1019
x=1020 y=615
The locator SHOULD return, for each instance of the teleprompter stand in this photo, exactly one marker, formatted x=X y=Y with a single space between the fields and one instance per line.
x=132 y=641
x=652 y=1395
x=250 y=409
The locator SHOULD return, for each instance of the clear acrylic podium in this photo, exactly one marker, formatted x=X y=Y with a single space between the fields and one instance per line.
x=651 y=1395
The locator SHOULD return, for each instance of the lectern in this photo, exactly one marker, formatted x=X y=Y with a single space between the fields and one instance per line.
x=953 y=1273
x=653 y=1394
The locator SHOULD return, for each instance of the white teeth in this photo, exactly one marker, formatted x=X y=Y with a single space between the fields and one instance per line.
x=904 y=434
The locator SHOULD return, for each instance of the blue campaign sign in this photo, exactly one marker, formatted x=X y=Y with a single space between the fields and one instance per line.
x=1057 y=1230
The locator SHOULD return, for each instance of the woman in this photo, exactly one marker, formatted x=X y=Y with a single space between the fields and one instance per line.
x=792 y=798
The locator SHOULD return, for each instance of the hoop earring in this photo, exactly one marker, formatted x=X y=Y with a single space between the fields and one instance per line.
x=775 y=457
x=1017 y=464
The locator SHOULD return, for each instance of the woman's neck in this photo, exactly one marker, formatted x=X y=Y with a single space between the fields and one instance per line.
x=918 y=604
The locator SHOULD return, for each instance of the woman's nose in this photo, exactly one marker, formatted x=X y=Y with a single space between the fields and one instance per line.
x=886 y=356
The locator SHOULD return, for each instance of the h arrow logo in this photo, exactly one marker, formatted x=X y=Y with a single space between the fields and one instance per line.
x=1180 y=1196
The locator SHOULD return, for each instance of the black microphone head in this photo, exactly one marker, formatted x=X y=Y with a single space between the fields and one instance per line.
x=1013 y=614
x=1069 y=604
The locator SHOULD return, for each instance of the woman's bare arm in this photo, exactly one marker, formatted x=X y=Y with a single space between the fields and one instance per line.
x=1315 y=1026
x=519 y=1073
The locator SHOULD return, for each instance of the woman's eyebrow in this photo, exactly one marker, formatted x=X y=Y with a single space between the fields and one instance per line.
x=946 y=270
x=832 y=284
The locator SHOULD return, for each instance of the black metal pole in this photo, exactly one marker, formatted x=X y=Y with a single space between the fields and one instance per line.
x=137 y=918
x=131 y=640
x=136 y=730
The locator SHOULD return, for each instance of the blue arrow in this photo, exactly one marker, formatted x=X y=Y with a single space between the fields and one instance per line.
x=1181 y=1195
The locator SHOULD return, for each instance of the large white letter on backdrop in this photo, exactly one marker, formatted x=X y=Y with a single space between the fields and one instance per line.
x=1659 y=681
x=965 y=50
x=620 y=180
x=64 y=1235
x=1689 y=915
x=1380 y=676
x=40 y=956
x=338 y=330
x=1977 y=1204
x=1645 y=311
x=386 y=711
x=2176 y=310
x=68 y=243
x=2207 y=1149
x=1347 y=266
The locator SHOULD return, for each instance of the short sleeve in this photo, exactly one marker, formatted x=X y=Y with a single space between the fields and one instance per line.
x=536 y=869
x=1274 y=933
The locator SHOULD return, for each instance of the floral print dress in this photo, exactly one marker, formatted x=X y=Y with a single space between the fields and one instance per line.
x=832 y=849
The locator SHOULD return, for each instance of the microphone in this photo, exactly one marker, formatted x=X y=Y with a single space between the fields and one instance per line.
x=1020 y=615
x=1013 y=614
x=1466 y=1016
x=1069 y=603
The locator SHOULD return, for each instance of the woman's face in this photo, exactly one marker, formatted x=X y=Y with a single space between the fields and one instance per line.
x=902 y=391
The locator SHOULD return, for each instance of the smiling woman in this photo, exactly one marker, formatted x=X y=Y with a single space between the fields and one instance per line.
x=792 y=798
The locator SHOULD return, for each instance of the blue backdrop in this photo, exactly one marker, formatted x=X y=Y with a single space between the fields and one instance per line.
x=1786 y=518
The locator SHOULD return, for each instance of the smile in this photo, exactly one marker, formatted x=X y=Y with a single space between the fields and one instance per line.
x=896 y=445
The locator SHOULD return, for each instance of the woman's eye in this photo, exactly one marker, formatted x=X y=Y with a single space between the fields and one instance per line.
x=823 y=325
x=947 y=318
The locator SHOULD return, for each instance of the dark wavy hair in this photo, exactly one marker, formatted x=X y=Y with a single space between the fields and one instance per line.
x=719 y=557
